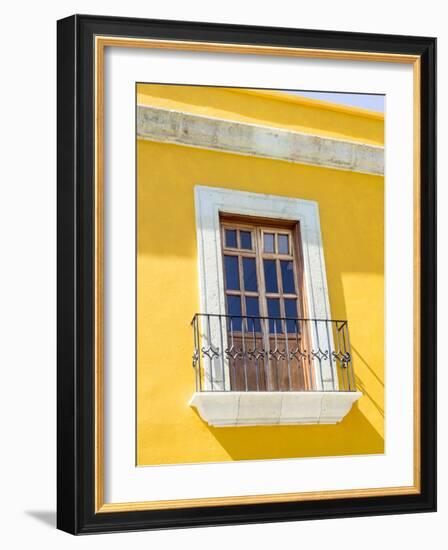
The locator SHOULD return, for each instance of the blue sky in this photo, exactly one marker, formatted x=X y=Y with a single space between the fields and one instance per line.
x=366 y=101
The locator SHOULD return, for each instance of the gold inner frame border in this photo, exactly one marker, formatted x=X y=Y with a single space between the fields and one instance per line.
x=101 y=42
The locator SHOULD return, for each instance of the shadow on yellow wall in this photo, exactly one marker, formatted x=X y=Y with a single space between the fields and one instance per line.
x=355 y=436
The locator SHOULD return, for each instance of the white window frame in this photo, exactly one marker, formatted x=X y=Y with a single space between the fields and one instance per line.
x=209 y=202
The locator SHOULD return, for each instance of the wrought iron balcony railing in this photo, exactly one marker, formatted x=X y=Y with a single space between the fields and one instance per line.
x=246 y=353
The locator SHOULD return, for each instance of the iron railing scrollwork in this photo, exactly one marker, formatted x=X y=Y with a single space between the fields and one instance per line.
x=247 y=353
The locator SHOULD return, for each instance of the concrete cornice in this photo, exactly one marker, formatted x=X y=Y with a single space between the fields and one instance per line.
x=182 y=128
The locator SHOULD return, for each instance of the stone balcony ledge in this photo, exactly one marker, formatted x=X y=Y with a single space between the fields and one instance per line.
x=258 y=408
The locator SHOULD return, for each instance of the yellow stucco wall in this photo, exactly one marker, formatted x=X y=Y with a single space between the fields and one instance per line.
x=352 y=221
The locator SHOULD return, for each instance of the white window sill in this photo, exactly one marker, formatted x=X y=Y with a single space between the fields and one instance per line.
x=221 y=409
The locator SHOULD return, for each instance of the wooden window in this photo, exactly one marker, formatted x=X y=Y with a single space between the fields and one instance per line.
x=263 y=278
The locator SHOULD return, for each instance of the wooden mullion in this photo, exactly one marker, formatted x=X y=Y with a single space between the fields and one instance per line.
x=235 y=252
x=262 y=301
x=233 y=292
x=230 y=252
x=272 y=256
x=251 y=293
x=229 y=224
x=302 y=306
x=240 y=273
x=280 y=286
x=299 y=272
x=262 y=304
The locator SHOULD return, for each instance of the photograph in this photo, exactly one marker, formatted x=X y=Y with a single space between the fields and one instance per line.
x=259 y=274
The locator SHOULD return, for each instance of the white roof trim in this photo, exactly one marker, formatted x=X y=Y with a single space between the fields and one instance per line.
x=182 y=128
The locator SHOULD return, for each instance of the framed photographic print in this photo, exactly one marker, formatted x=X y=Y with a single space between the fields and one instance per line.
x=246 y=274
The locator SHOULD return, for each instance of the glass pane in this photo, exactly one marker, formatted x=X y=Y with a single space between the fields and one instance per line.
x=268 y=242
x=234 y=308
x=274 y=311
x=250 y=274
x=246 y=240
x=231 y=238
x=291 y=311
x=232 y=273
x=253 y=309
x=270 y=276
x=283 y=244
x=287 y=269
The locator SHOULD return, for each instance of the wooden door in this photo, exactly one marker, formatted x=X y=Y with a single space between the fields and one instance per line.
x=267 y=338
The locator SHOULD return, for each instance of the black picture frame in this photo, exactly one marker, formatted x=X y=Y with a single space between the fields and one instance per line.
x=76 y=271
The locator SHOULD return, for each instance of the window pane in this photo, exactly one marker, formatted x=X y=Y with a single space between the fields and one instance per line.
x=291 y=311
x=250 y=274
x=232 y=273
x=274 y=311
x=268 y=242
x=246 y=240
x=234 y=308
x=283 y=244
x=270 y=276
x=231 y=238
x=288 y=282
x=253 y=309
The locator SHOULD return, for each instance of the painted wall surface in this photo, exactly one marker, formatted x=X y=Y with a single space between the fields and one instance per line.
x=352 y=223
